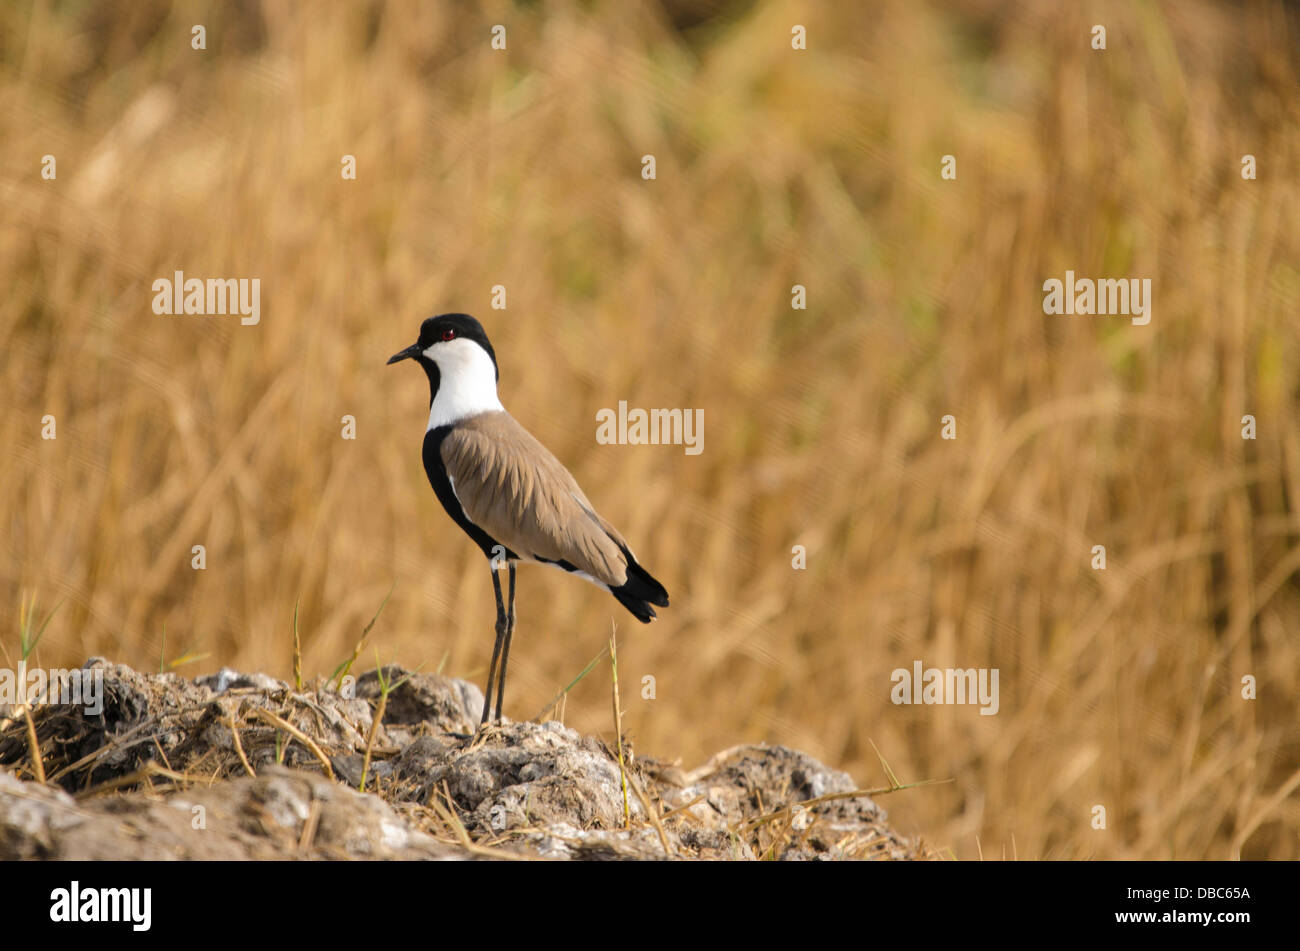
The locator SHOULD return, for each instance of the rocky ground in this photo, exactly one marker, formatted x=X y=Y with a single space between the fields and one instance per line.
x=233 y=766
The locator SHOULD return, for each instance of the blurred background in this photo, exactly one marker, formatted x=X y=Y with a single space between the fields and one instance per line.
x=474 y=167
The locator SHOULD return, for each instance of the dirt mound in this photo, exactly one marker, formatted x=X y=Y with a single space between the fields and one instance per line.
x=244 y=766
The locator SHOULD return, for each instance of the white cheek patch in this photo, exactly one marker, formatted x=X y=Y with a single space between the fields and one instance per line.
x=467 y=382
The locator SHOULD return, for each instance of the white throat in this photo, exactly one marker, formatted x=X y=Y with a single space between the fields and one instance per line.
x=467 y=382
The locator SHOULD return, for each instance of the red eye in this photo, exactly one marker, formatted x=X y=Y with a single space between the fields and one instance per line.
x=449 y=334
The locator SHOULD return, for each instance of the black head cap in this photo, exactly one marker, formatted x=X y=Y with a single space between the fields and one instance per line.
x=443 y=329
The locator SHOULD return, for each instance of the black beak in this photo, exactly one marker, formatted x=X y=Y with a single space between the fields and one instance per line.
x=412 y=351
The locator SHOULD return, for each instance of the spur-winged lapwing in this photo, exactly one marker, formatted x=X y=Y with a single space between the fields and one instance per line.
x=508 y=493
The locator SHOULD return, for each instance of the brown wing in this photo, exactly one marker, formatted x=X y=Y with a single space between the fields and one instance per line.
x=511 y=486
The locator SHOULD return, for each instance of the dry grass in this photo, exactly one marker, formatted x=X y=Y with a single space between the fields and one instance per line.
x=1119 y=688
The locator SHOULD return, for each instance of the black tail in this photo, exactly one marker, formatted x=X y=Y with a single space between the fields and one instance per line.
x=640 y=591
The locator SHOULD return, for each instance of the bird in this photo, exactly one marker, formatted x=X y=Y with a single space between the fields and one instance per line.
x=506 y=490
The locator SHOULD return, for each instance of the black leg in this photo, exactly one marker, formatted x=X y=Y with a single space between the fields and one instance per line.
x=496 y=651
x=505 y=650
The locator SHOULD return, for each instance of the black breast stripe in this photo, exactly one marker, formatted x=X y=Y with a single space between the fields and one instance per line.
x=437 y=472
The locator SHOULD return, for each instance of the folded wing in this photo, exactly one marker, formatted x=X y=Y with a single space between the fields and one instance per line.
x=511 y=486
